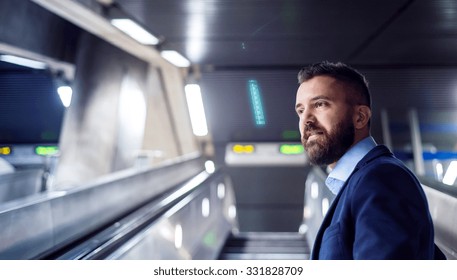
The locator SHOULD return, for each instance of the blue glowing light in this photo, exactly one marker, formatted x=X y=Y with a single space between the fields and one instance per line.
x=256 y=103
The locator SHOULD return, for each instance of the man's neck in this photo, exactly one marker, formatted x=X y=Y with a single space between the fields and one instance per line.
x=357 y=139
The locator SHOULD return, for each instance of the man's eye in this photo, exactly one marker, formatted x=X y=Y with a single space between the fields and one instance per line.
x=319 y=104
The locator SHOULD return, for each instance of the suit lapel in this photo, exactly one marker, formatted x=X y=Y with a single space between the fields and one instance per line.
x=374 y=153
x=325 y=224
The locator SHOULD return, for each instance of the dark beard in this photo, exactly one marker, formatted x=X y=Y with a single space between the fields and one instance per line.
x=329 y=148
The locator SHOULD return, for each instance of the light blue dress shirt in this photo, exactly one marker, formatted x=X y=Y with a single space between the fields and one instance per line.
x=346 y=164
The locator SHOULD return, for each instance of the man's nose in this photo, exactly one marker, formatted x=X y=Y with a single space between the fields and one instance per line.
x=307 y=121
x=308 y=117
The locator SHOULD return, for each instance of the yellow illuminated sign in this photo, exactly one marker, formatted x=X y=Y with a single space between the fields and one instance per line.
x=291 y=149
x=243 y=149
x=5 y=150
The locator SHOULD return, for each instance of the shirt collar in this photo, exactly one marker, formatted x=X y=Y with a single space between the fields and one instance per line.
x=346 y=164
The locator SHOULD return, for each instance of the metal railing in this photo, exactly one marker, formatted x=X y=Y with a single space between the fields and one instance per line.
x=41 y=223
x=191 y=222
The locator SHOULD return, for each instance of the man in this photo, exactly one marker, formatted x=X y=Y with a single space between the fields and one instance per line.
x=380 y=211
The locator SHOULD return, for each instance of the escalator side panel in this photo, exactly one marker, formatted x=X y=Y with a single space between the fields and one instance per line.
x=187 y=231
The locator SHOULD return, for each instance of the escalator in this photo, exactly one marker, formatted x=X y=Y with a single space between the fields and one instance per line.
x=140 y=235
x=175 y=225
x=194 y=219
x=266 y=246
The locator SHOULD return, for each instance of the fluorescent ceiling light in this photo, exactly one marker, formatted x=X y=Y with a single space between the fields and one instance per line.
x=196 y=110
x=65 y=93
x=135 y=31
x=175 y=58
x=23 y=61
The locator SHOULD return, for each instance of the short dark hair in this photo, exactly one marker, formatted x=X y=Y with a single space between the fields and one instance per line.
x=340 y=72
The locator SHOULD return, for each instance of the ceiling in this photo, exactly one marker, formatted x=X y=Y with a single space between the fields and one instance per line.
x=285 y=33
x=407 y=49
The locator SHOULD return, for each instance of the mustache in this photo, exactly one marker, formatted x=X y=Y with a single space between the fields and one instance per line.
x=311 y=127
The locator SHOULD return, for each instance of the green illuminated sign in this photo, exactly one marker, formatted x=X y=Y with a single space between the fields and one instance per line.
x=291 y=149
x=46 y=150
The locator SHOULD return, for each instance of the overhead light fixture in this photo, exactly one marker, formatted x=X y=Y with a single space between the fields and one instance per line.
x=196 y=110
x=135 y=31
x=65 y=93
x=63 y=88
x=23 y=61
x=175 y=58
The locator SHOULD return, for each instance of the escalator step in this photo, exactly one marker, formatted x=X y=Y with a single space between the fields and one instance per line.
x=232 y=256
x=265 y=245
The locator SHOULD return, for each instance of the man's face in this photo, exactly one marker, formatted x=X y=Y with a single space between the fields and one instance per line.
x=326 y=119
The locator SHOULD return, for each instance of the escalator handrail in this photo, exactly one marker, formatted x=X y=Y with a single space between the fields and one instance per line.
x=120 y=231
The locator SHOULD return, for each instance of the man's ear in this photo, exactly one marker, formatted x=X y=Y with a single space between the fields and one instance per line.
x=362 y=115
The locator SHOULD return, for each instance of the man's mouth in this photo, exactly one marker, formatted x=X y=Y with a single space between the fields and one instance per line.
x=313 y=134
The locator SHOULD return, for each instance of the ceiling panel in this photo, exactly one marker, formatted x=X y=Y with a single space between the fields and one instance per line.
x=386 y=39
x=262 y=32
x=424 y=34
x=266 y=53
x=406 y=48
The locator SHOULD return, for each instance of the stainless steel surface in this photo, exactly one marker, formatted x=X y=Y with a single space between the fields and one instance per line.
x=443 y=208
x=20 y=184
x=386 y=136
x=26 y=227
x=40 y=222
x=416 y=142
x=195 y=228
x=316 y=193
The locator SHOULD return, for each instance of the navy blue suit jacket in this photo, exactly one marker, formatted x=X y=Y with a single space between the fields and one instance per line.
x=380 y=213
